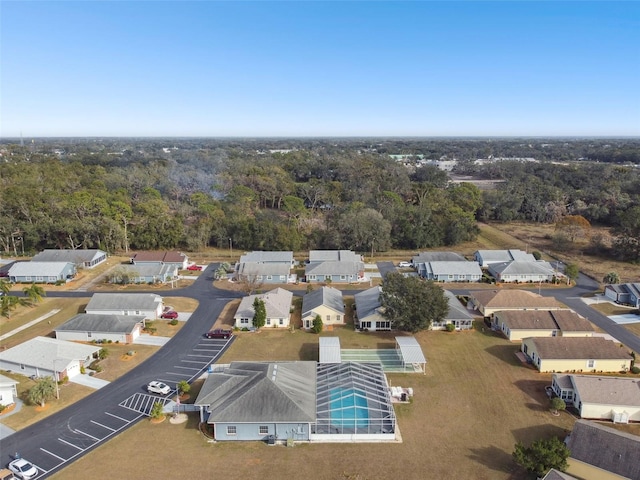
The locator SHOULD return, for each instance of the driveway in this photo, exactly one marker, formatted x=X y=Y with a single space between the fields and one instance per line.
x=89 y=381
x=146 y=339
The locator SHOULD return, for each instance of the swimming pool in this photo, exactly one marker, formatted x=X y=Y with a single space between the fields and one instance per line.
x=348 y=408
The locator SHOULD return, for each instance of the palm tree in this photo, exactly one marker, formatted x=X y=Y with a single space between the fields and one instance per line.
x=42 y=391
x=34 y=293
x=8 y=303
x=611 y=278
x=5 y=287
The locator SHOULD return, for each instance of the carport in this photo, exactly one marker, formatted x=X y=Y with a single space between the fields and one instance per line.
x=411 y=353
x=330 y=350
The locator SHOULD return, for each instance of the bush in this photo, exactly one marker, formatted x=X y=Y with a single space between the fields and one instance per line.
x=635 y=369
x=97 y=367
x=317 y=324
x=450 y=327
x=245 y=329
x=83 y=370
x=173 y=322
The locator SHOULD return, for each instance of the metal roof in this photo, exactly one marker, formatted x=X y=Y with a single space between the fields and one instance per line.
x=328 y=296
x=40 y=352
x=123 y=301
x=330 y=350
x=410 y=350
x=68 y=255
x=104 y=323
x=41 y=269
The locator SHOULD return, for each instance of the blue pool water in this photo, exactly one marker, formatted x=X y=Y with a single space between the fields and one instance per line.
x=348 y=409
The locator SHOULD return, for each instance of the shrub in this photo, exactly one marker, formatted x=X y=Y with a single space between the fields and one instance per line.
x=103 y=353
x=173 y=322
x=245 y=329
x=450 y=327
x=97 y=367
x=83 y=370
x=635 y=369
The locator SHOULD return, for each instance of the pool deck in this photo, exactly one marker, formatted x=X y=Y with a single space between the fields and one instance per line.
x=389 y=358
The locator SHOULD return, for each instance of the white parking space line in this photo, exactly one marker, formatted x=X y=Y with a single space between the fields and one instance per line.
x=53 y=455
x=71 y=444
x=199 y=362
x=187 y=368
x=90 y=436
x=205 y=356
x=103 y=426
x=116 y=416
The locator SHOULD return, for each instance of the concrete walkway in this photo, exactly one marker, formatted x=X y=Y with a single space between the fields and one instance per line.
x=146 y=339
x=31 y=323
x=89 y=381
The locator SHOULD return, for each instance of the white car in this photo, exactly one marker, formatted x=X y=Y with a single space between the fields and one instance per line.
x=159 y=388
x=405 y=265
x=23 y=469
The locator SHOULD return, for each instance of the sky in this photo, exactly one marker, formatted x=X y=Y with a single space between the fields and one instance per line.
x=327 y=68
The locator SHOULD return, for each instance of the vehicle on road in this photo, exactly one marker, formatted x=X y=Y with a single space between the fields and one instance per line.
x=23 y=469
x=158 y=387
x=219 y=333
x=405 y=265
x=171 y=314
x=194 y=268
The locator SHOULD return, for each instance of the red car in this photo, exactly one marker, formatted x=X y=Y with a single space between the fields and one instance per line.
x=171 y=314
x=194 y=268
x=218 y=333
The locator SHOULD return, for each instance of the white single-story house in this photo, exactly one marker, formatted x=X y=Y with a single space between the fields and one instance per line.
x=334 y=266
x=575 y=354
x=490 y=301
x=8 y=391
x=624 y=293
x=48 y=357
x=326 y=302
x=277 y=304
x=600 y=398
x=418 y=261
x=145 y=273
x=457 y=314
x=81 y=258
x=599 y=452
x=458 y=271
x=368 y=315
x=147 y=305
x=85 y=327
x=42 y=272
x=522 y=272
x=263 y=272
x=285 y=258
x=489 y=257
x=519 y=324
x=178 y=259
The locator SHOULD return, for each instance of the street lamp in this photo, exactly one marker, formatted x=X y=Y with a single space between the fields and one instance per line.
x=230 y=247
x=55 y=378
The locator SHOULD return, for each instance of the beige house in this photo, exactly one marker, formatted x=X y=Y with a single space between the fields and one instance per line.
x=575 y=354
x=600 y=398
x=602 y=453
x=277 y=303
x=519 y=324
x=327 y=303
x=487 y=302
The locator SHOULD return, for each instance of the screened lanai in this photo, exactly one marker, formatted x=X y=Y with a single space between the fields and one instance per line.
x=411 y=353
x=352 y=403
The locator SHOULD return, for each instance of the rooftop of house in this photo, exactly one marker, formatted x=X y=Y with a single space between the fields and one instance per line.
x=564 y=320
x=152 y=256
x=327 y=296
x=607 y=390
x=105 y=323
x=566 y=348
x=514 y=299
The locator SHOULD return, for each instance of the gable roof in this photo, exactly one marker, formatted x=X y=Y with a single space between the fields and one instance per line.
x=166 y=257
x=519 y=267
x=330 y=267
x=454 y=268
x=605 y=448
x=505 y=255
x=368 y=303
x=456 y=311
x=38 y=269
x=40 y=352
x=514 y=299
x=554 y=474
x=328 y=296
x=277 y=303
x=123 y=301
x=334 y=256
x=564 y=320
x=590 y=348
x=267 y=257
x=261 y=392
x=607 y=390
x=424 y=257
x=67 y=255
x=151 y=269
x=104 y=323
x=257 y=268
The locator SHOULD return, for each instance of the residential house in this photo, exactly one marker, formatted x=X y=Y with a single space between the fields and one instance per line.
x=256 y=401
x=42 y=272
x=599 y=452
x=285 y=258
x=48 y=357
x=575 y=354
x=522 y=272
x=81 y=258
x=554 y=474
x=147 y=305
x=8 y=391
x=277 y=304
x=457 y=314
x=178 y=259
x=490 y=257
x=368 y=315
x=335 y=266
x=326 y=302
x=85 y=327
x=265 y=267
x=487 y=302
x=519 y=324
x=458 y=271
x=423 y=258
x=600 y=398
x=624 y=293
x=145 y=273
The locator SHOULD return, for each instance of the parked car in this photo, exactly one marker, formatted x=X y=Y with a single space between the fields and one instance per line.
x=6 y=474
x=171 y=314
x=23 y=469
x=158 y=387
x=219 y=333
x=194 y=267
x=405 y=265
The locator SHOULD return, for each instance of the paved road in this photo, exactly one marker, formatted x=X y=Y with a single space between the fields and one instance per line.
x=69 y=434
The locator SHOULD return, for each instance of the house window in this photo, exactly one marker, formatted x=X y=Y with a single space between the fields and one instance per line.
x=28 y=279
x=263 y=429
x=39 y=279
x=269 y=277
x=89 y=334
x=343 y=277
x=281 y=321
x=328 y=318
x=591 y=363
x=338 y=318
x=53 y=279
x=365 y=324
x=383 y=325
x=311 y=277
x=21 y=366
x=231 y=430
x=268 y=321
x=244 y=321
x=525 y=348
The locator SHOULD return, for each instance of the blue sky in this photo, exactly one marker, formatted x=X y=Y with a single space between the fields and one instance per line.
x=208 y=68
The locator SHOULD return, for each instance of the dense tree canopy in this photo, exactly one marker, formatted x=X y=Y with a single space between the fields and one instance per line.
x=542 y=456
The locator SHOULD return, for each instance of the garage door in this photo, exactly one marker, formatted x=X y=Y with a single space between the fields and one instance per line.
x=73 y=370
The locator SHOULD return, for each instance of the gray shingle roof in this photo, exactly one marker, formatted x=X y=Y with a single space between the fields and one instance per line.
x=277 y=302
x=578 y=347
x=554 y=474
x=505 y=255
x=425 y=257
x=67 y=255
x=606 y=448
x=124 y=301
x=368 y=303
x=564 y=320
x=85 y=322
x=608 y=390
x=327 y=296
x=456 y=311
x=334 y=268
x=261 y=392
x=267 y=257
x=40 y=352
x=255 y=268
x=151 y=269
x=35 y=269
x=454 y=268
x=334 y=256
x=522 y=268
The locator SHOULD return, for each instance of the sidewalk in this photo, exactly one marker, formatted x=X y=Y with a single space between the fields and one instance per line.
x=31 y=323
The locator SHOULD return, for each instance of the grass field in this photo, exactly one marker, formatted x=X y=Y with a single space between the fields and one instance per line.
x=475 y=401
